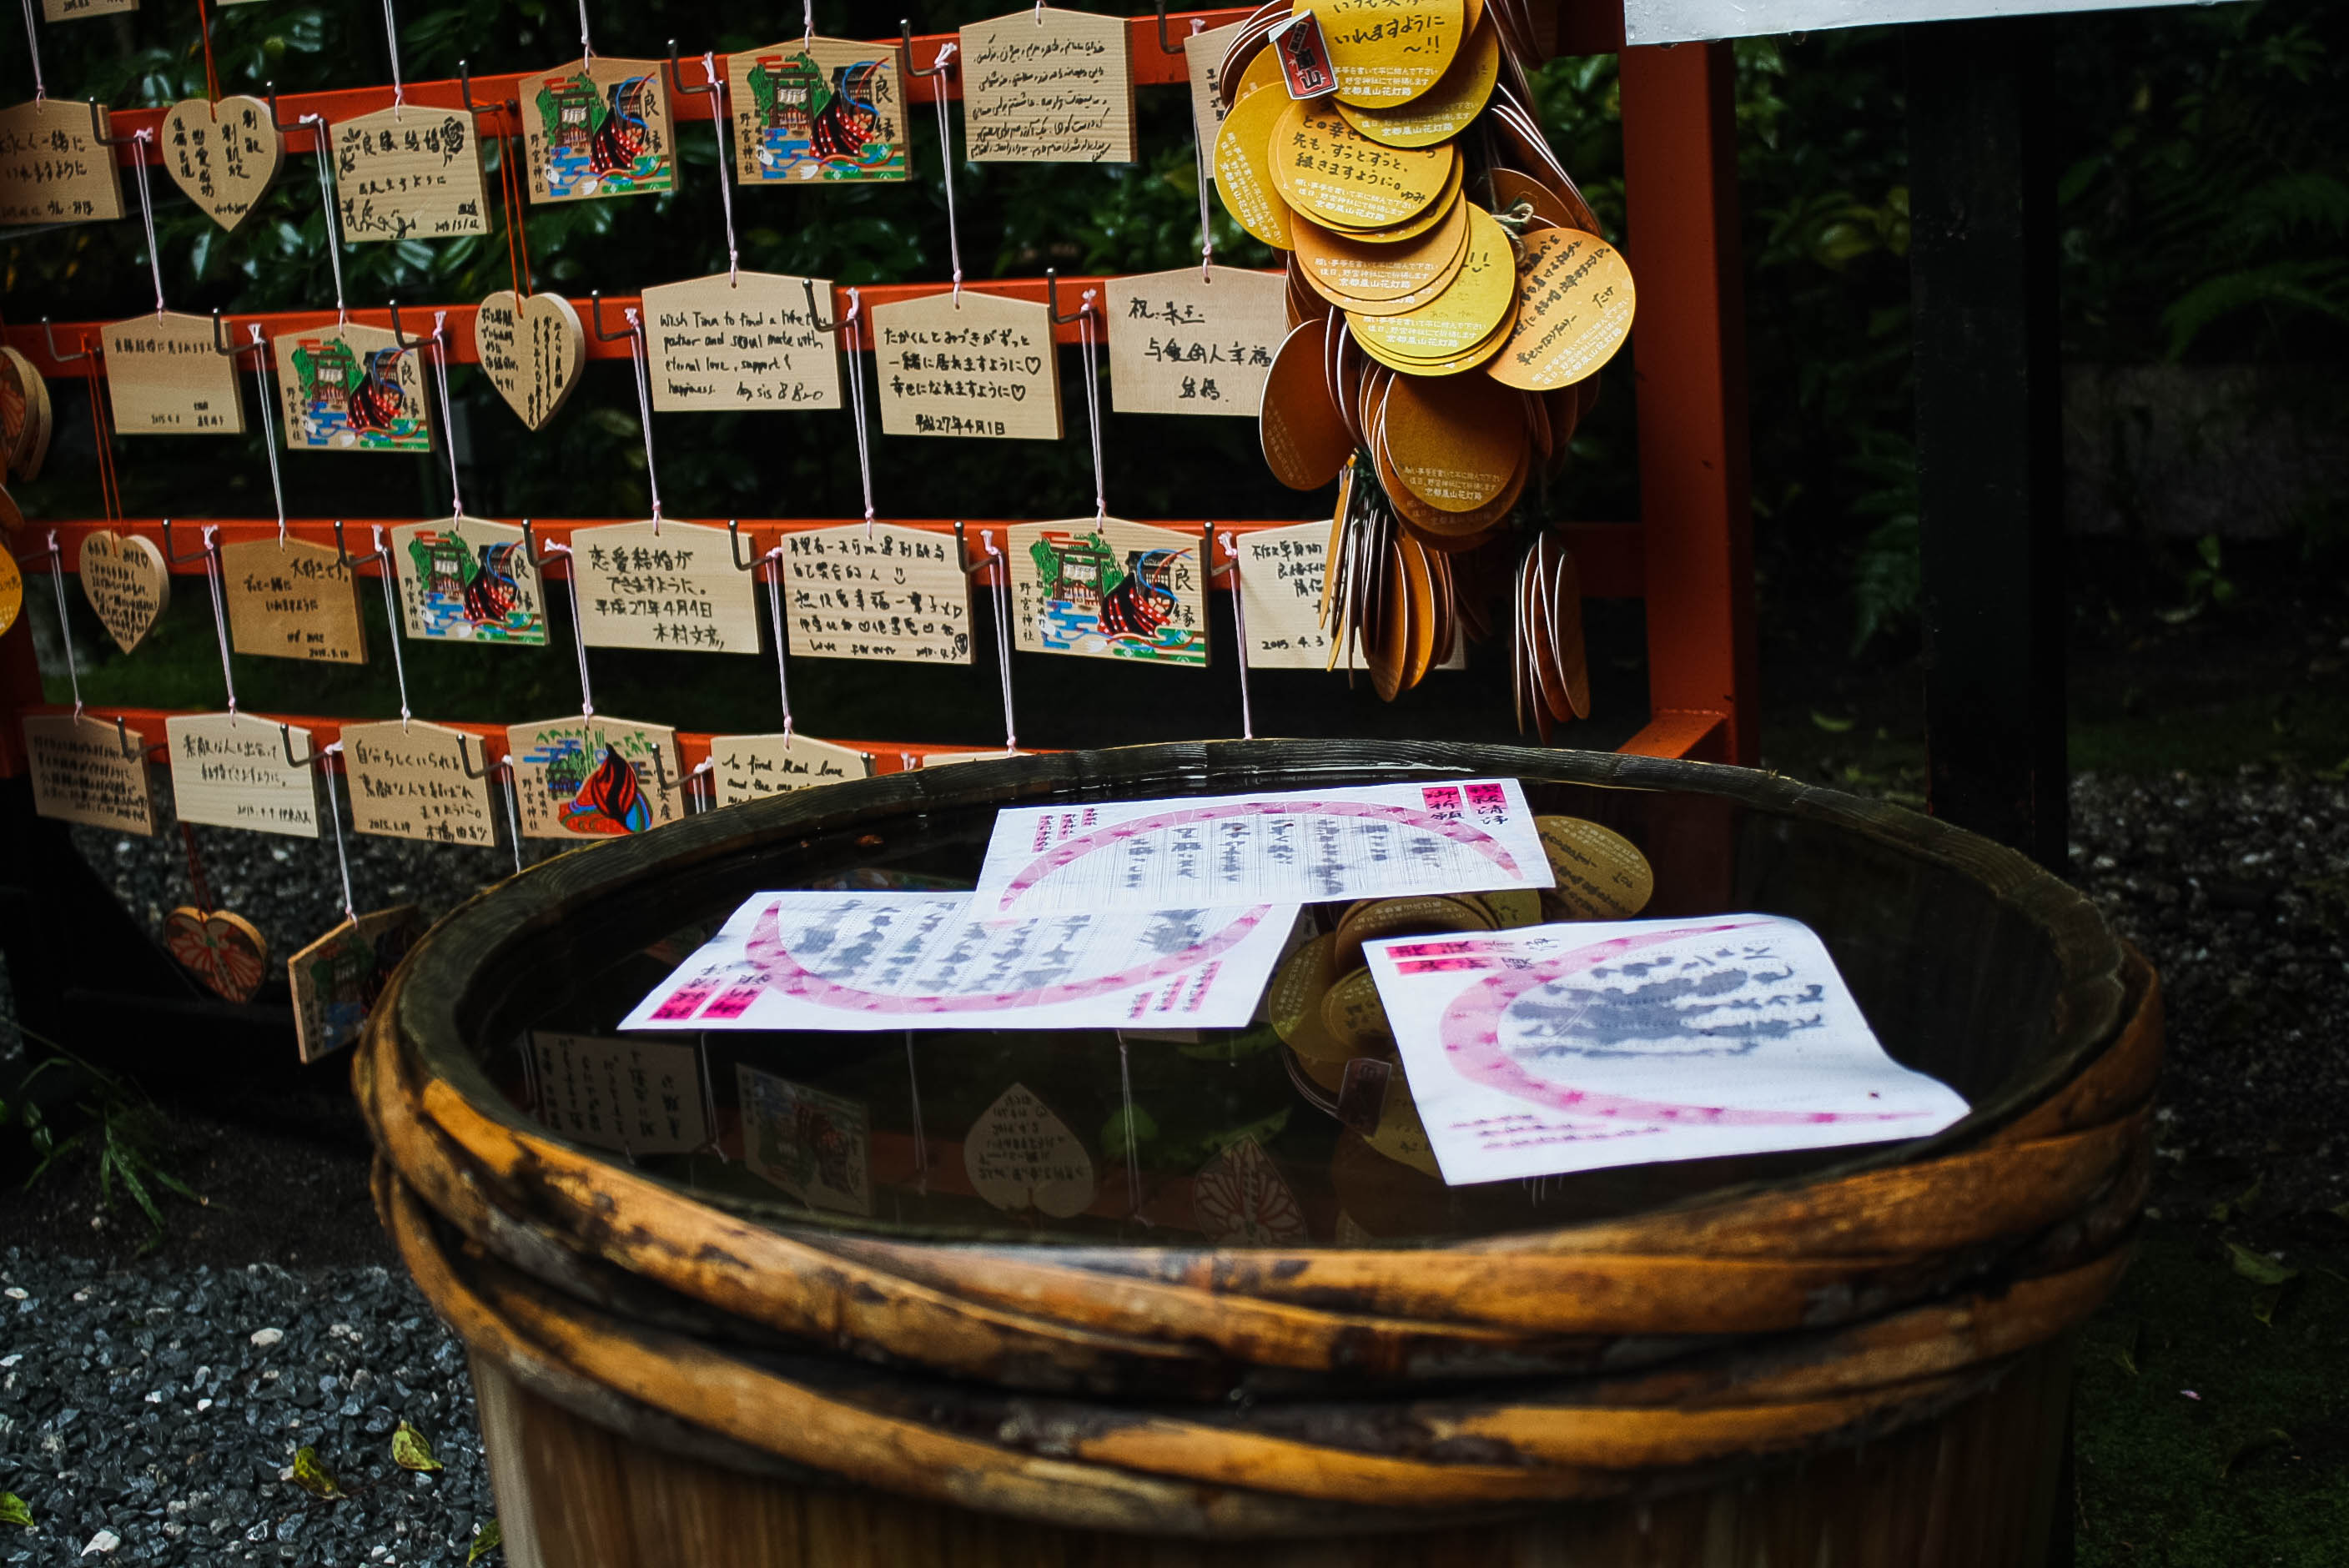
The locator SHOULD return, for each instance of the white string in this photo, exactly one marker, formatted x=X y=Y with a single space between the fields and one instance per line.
x=33 y=44
x=514 y=816
x=391 y=36
x=586 y=49
x=1002 y=601
x=334 y=812
x=1239 y=630
x=448 y=416
x=325 y=134
x=578 y=636
x=1092 y=401
x=708 y=1100
x=1040 y=13
x=945 y=167
x=146 y=211
x=914 y=1086
x=709 y=791
x=807 y=22
x=391 y=620
x=1126 y=1095
x=1206 y=176
x=856 y=409
x=644 y=411
x=269 y=430
x=724 y=128
x=220 y=612
x=64 y=627
x=775 y=619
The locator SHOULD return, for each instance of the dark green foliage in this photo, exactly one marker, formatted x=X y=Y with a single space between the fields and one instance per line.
x=110 y=1120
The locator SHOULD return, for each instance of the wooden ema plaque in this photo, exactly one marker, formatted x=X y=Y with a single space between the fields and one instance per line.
x=984 y=367
x=1106 y=588
x=1203 y=64
x=410 y=173
x=76 y=10
x=753 y=767
x=1047 y=86
x=165 y=375
x=53 y=169
x=293 y=600
x=887 y=593
x=1183 y=343
x=671 y=585
x=635 y=1096
x=351 y=389
x=80 y=774
x=811 y=110
x=591 y=778
x=1020 y=1157
x=127 y=582
x=229 y=771
x=599 y=128
x=415 y=781
x=224 y=155
x=336 y=980
x=1281 y=571
x=468 y=580
x=532 y=346
x=744 y=341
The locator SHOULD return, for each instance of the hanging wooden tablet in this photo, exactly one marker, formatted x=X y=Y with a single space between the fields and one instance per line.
x=815 y=1146
x=634 y=1097
x=337 y=979
x=75 y=10
x=351 y=389
x=127 y=583
x=662 y=585
x=1180 y=343
x=25 y=417
x=578 y=779
x=292 y=600
x=888 y=592
x=469 y=580
x=753 y=767
x=226 y=951
x=410 y=172
x=816 y=109
x=1020 y=1158
x=415 y=780
x=532 y=346
x=599 y=128
x=229 y=771
x=1047 y=86
x=1107 y=588
x=53 y=167
x=165 y=375
x=1281 y=572
x=739 y=341
x=984 y=367
x=1203 y=61
x=225 y=155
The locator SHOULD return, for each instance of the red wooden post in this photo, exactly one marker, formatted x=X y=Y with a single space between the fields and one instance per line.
x=1679 y=167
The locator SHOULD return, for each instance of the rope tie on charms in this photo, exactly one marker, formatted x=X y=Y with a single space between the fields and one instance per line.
x=391 y=620
x=64 y=627
x=586 y=49
x=1000 y=594
x=326 y=197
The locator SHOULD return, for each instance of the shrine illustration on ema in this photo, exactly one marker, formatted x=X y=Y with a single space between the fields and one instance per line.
x=347 y=392
x=476 y=589
x=1132 y=597
x=602 y=131
x=821 y=111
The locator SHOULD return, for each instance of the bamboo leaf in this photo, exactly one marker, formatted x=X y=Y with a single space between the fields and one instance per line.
x=313 y=1477
x=2258 y=1267
x=410 y=1451
x=486 y=1541
x=13 y=1511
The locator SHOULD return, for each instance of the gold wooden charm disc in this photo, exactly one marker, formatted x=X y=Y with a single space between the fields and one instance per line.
x=1457 y=442
x=127 y=582
x=1475 y=307
x=1388 y=52
x=224 y=155
x=1332 y=173
x=1574 y=304
x=1601 y=875
x=1304 y=438
x=1420 y=916
x=25 y=415
x=1355 y=1017
x=224 y=951
x=1446 y=109
x=12 y=592
x=1293 y=1005
x=1242 y=168
x=532 y=346
x=1510 y=186
x=1349 y=272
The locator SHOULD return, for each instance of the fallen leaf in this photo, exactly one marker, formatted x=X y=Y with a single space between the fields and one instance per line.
x=2259 y=1442
x=2258 y=1267
x=314 y=1477
x=1832 y=726
x=13 y=1511
x=410 y=1451
x=486 y=1540
x=2126 y=1353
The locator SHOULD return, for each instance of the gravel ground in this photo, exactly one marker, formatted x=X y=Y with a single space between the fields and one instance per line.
x=152 y=1415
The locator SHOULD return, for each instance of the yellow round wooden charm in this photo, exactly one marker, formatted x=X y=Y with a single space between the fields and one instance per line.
x=1388 y=52
x=1454 y=443
x=1243 y=179
x=1332 y=173
x=1575 y=303
x=12 y=592
x=1350 y=273
x=1602 y=875
x=1446 y=109
x=1459 y=320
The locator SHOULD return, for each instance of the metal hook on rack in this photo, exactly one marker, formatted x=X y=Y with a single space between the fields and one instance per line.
x=1052 y=288
x=269 y=90
x=505 y=765
x=58 y=355
x=1164 y=46
x=906 y=39
x=676 y=80
x=465 y=95
x=98 y=132
x=530 y=547
x=351 y=563
x=170 y=552
x=734 y=547
x=595 y=310
x=222 y=343
x=815 y=316
x=399 y=332
x=318 y=753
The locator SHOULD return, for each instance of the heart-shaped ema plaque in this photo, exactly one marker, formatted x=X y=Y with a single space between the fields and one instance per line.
x=220 y=949
x=532 y=346
x=224 y=155
x=1020 y=1156
x=127 y=583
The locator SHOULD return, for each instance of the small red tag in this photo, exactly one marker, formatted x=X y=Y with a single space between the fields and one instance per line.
x=1304 y=58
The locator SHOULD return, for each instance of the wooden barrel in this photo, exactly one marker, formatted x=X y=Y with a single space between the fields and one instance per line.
x=1849 y=1357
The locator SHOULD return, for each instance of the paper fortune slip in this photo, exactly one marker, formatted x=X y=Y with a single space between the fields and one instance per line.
x=918 y=960
x=1308 y=846
x=1559 y=1049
